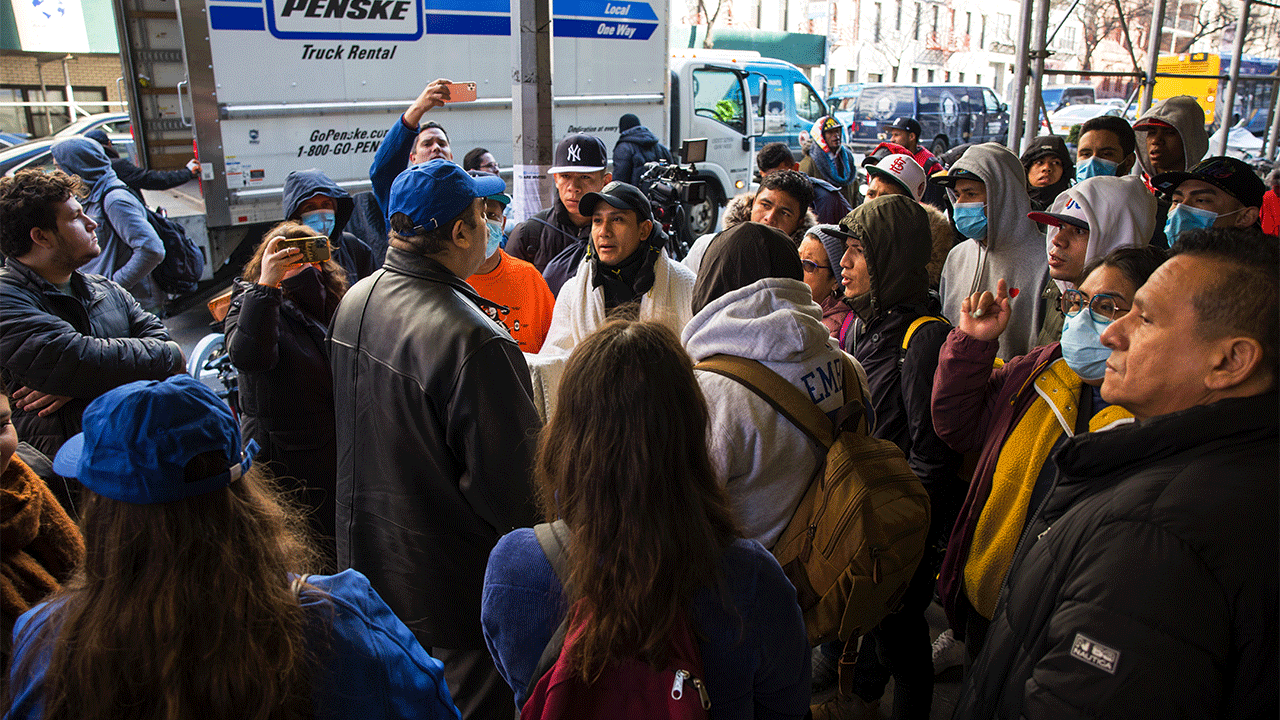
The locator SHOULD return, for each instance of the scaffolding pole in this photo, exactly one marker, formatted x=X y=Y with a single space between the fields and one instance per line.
x=1153 y=55
x=1237 y=50
x=1020 y=75
x=1040 y=36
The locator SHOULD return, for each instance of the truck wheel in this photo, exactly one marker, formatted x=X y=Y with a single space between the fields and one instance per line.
x=939 y=146
x=704 y=215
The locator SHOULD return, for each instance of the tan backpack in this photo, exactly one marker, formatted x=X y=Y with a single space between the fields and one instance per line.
x=855 y=540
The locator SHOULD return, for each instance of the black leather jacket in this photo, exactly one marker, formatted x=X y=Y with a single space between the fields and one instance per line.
x=79 y=346
x=436 y=432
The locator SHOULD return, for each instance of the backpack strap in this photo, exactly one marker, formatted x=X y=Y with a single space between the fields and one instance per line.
x=786 y=398
x=552 y=538
x=911 y=330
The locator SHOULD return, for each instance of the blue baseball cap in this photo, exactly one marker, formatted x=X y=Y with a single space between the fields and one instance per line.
x=435 y=192
x=139 y=437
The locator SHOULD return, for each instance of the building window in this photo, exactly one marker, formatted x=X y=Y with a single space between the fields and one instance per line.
x=935 y=19
x=915 y=29
x=1002 y=27
x=946 y=76
x=961 y=77
x=968 y=23
x=915 y=75
x=877 y=26
x=930 y=76
x=982 y=37
x=875 y=77
x=978 y=79
x=852 y=75
x=897 y=20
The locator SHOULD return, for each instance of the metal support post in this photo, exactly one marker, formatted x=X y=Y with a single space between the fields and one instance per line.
x=1228 y=108
x=1273 y=135
x=1153 y=55
x=531 y=123
x=70 y=96
x=1034 y=101
x=1018 y=101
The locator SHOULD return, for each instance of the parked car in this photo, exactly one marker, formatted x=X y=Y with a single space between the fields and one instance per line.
x=114 y=123
x=8 y=139
x=1061 y=122
x=1057 y=97
x=949 y=115
x=38 y=154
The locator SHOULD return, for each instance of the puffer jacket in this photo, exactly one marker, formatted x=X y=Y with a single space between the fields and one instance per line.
x=79 y=346
x=1146 y=587
x=637 y=146
x=348 y=250
x=286 y=393
x=436 y=432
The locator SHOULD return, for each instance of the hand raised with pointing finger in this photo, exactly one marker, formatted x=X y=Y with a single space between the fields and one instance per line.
x=984 y=316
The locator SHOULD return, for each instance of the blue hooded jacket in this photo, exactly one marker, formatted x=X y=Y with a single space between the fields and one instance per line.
x=130 y=247
x=348 y=250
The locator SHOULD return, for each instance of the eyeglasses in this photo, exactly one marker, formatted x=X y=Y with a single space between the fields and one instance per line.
x=1102 y=307
x=811 y=266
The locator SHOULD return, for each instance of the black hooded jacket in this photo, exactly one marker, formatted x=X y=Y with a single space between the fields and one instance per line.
x=1046 y=145
x=348 y=250
x=897 y=245
x=636 y=146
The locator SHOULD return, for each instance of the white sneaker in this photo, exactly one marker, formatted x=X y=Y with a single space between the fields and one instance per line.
x=947 y=652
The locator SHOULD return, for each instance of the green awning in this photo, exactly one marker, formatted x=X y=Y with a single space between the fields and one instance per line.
x=800 y=49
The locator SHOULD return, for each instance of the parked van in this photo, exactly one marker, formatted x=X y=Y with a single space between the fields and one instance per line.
x=949 y=115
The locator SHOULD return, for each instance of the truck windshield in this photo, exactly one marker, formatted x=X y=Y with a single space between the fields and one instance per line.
x=717 y=94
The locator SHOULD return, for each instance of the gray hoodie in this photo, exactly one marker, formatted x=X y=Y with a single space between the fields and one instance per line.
x=1187 y=117
x=131 y=249
x=764 y=461
x=1013 y=248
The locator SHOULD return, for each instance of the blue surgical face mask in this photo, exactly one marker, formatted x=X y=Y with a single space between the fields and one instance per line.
x=495 y=238
x=1082 y=346
x=1094 y=167
x=322 y=221
x=971 y=219
x=1184 y=217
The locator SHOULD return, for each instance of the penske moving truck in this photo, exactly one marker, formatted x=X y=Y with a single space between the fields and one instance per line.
x=265 y=87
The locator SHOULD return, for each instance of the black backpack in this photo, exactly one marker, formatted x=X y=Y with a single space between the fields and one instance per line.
x=179 y=273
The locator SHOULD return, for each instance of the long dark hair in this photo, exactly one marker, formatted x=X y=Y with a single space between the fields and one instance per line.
x=624 y=462
x=182 y=609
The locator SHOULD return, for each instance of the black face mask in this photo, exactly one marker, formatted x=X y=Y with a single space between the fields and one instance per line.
x=307 y=291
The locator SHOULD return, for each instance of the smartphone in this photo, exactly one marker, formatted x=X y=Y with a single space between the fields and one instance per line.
x=314 y=249
x=462 y=92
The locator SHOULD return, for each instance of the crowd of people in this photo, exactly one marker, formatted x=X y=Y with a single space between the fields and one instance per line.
x=478 y=468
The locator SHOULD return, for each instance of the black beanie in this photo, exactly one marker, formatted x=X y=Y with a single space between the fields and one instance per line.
x=628 y=121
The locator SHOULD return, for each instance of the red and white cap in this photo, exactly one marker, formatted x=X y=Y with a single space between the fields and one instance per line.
x=904 y=171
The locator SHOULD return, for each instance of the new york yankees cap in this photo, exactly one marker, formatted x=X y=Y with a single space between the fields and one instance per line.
x=580 y=153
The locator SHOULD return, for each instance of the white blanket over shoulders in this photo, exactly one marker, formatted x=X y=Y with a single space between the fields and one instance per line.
x=580 y=311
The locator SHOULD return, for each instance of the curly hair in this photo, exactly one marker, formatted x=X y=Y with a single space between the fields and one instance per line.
x=29 y=200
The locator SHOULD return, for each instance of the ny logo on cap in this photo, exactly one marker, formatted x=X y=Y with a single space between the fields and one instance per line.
x=575 y=153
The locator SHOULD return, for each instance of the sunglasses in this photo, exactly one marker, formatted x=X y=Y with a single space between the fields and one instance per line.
x=811 y=266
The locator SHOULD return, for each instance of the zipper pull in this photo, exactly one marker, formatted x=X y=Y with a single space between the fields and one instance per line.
x=1046 y=532
x=677 y=687
x=702 y=693
x=808 y=543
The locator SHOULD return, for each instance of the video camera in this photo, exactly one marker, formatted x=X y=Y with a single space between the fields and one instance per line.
x=670 y=188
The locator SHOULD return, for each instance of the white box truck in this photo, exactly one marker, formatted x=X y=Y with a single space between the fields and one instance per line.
x=264 y=87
